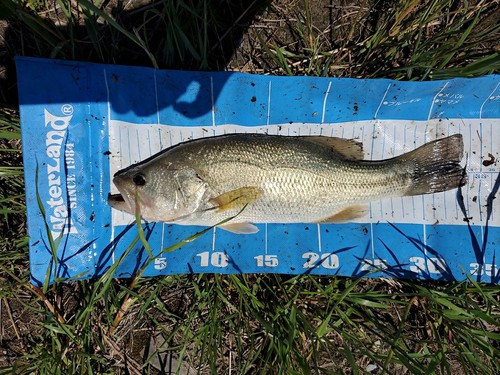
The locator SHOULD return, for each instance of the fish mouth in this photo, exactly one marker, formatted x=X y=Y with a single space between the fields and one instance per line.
x=120 y=202
x=130 y=203
x=130 y=198
x=123 y=200
x=115 y=198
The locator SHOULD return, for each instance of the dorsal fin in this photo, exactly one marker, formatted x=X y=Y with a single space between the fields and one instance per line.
x=348 y=148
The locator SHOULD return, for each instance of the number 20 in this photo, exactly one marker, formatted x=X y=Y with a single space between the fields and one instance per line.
x=328 y=261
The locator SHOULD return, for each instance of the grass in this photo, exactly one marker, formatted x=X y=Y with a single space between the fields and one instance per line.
x=242 y=324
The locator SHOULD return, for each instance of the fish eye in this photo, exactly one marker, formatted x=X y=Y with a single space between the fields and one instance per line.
x=139 y=179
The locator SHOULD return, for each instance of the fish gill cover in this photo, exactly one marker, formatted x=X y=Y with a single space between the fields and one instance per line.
x=83 y=122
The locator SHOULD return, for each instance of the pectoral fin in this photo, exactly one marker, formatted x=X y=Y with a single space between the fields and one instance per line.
x=347 y=214
x=240 y=228
x=237 y=199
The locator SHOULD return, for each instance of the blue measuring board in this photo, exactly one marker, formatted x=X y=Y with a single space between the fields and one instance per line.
x=82 y=122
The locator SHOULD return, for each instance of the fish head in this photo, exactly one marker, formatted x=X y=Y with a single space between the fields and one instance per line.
x=155 y=192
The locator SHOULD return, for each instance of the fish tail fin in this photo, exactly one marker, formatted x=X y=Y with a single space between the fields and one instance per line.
x=437 y=166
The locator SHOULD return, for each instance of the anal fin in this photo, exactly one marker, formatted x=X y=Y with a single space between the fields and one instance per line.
x=347 y=214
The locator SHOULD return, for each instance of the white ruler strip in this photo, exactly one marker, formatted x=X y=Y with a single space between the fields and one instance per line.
x=389 y=139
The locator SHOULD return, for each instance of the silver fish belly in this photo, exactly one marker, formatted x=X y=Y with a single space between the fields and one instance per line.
x=278 y=179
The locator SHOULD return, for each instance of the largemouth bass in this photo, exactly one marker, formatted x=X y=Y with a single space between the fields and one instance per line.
x=262 y=178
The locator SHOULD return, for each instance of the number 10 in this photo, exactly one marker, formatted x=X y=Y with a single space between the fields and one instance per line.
x=217 y=259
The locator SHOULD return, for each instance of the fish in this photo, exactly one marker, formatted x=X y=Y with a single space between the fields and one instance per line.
x=260 y=178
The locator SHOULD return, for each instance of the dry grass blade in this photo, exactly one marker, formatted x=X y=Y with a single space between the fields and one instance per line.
x=9 y=313
x=38 y=292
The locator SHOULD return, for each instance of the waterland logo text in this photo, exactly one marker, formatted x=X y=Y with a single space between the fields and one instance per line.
x=59 y=219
